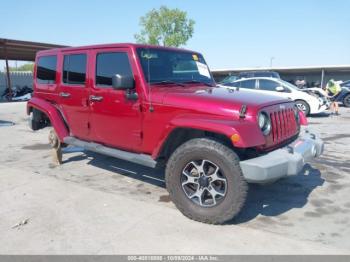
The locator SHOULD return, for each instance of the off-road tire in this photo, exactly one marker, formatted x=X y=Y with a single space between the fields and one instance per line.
x=306 y=105
x=346 y=100
x=228 y=162
x=33 y=120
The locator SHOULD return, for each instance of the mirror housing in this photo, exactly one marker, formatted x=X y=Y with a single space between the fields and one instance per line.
x=280 y=89
x=123 y=82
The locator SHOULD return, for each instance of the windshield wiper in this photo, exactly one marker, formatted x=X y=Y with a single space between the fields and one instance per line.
x=167 y=82
x=197 y=82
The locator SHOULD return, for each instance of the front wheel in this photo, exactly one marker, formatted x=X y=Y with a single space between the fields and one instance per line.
x=303 y=106
x=205 y=181
x=346 y=100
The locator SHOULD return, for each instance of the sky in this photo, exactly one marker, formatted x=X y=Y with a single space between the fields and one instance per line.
x=229 y=34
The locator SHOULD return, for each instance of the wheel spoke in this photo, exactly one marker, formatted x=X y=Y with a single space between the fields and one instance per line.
x=200 y=168
x=215 y=176
x=214 y=192
x=190 y=179
x=198 y=194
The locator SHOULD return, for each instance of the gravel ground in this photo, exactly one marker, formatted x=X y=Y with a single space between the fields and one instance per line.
x=99 y=205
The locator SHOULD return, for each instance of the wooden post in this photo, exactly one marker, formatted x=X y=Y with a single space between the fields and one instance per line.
x=8 y=75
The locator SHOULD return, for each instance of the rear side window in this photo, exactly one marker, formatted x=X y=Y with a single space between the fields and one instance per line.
x=249 y=84
x=109 y=64
x=46 y=70
x=268 y=85
x=74 y=69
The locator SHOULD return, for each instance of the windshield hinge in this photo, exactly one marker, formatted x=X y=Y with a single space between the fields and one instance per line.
x=242 y=111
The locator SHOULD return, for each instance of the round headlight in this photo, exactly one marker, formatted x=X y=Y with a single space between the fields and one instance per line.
x=264 y=123
x=262 y=120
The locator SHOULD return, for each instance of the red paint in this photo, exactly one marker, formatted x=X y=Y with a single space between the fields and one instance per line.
x=51 y=111
x=303 y=119
x=130 y=125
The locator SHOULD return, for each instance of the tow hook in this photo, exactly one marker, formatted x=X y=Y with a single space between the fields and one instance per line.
x=290 y=149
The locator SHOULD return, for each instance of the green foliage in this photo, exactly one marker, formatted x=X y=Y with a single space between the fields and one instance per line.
x=24 y=67
x=167 y=27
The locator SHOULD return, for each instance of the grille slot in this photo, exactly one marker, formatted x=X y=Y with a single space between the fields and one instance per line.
x=283 y=124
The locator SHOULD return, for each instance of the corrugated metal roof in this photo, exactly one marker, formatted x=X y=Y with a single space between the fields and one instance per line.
x=22 y=50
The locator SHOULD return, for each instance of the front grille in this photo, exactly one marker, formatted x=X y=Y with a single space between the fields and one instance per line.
x=284 y=125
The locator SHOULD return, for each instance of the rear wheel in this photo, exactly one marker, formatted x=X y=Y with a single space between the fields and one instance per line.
x=33 y=121
x=205 y=181
x=303 y=106
x=346 y=100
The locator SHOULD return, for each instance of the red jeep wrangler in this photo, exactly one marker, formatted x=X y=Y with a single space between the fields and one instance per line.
x=154 y=105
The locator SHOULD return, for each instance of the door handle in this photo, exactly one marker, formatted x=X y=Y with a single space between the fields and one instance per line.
x=96 y=98
x=65 y=95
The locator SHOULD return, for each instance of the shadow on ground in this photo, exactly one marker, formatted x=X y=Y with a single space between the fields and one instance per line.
x=153 y=176
x=320 y=115
x=268 y=200
x=278 y=198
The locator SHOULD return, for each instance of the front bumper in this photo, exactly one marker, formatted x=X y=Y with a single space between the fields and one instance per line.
x=320 y=109
x=286 y=161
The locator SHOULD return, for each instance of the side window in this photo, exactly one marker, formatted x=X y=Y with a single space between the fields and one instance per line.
x=109 y=64
x=46 y=70
x=268 y=85
x=249 y=84
x=74 y=69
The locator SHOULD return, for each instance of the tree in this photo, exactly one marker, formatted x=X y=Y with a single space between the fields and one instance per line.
x=167 y=27
x=24 y=67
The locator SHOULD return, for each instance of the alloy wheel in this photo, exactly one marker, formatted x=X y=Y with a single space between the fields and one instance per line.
x=203 y=183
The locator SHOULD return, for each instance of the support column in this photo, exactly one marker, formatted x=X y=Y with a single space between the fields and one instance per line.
x=322 y=78
x=8 y=75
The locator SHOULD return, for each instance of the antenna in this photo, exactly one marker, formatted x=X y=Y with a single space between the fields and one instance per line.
x=151 y=109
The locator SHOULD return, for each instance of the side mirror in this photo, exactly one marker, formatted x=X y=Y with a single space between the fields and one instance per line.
x=280 y=89
x=123 y=82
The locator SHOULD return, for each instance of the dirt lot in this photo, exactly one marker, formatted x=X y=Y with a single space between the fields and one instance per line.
x=99 y=205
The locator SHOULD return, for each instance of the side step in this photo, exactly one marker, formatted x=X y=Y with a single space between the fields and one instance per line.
x=141 y=159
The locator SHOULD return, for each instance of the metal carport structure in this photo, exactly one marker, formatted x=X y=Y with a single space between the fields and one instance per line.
x=20 y=50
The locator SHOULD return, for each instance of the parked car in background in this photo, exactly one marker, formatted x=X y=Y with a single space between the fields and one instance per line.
x=309 y=104
x=345 y=84
x=17 y=93
x=250 y=74
x=344 y=96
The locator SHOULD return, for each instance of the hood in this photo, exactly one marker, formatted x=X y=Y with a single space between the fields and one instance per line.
x=216 y=99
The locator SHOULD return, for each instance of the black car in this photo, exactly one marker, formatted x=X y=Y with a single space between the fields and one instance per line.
x=344 y=95
x=250 y=74
x=345 y=83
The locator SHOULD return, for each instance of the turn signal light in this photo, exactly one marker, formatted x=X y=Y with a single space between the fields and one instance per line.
x=235 y=138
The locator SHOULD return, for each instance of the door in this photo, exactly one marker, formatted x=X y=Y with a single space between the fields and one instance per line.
x=73 y=93
x=115 y=119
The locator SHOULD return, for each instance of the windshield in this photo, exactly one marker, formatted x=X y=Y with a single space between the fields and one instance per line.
x=166 y=66
x=289 y=84
x=229 y=79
